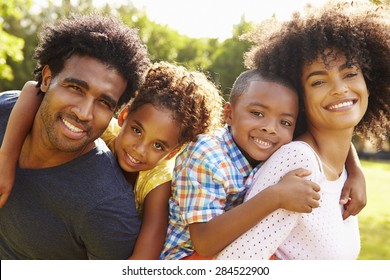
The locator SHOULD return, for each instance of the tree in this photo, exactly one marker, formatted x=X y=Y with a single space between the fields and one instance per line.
x=11 y=46
x=228 y=57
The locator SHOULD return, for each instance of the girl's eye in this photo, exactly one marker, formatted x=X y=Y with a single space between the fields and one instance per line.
x=136 y=131
x=158 y=146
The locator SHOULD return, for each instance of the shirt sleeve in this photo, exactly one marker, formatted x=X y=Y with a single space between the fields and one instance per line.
x=203 y=195
x=263 y=240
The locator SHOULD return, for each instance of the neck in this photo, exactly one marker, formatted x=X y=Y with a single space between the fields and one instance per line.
x=36 y=154
x=332 y=148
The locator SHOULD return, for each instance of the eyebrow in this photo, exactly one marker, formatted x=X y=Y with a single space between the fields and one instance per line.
x=323 y=72
x=84 y=84
x=165 y=143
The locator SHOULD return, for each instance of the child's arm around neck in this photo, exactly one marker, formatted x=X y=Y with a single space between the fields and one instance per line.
x=19 y=125
x=293 y=192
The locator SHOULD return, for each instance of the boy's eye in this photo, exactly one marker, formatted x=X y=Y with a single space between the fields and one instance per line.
x=286 y=123
x=258 y=114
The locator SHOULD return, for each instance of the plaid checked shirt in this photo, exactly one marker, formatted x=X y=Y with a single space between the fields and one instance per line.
x=211 y=176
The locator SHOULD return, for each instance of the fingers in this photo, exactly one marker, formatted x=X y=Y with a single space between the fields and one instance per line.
x=301 y=172
x=345 y=194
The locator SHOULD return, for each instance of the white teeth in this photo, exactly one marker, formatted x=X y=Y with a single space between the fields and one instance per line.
x=72 y=127
x=340 y=105
x=133 y=160
x=262 y=142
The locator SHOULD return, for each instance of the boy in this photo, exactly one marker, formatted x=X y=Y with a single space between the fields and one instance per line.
x=212 y=175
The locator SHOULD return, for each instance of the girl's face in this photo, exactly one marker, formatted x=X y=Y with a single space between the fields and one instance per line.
x=262 y=119
x=148 y=135
x=335 y=97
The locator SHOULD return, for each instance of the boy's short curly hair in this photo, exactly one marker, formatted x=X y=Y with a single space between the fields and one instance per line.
x=360 y=31
x=102 y=37
x=195 y=101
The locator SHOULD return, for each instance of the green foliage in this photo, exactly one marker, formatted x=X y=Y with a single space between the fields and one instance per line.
x=221 y=60
x=374 y=219
x=11 y=46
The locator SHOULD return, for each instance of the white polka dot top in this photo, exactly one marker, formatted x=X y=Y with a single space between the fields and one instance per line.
x=322 y=234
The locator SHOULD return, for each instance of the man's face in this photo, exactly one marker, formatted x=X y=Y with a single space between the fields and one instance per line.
x=262 y=119
x=79 y=103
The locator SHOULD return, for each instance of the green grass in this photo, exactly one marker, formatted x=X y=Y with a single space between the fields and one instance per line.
x=374 y=219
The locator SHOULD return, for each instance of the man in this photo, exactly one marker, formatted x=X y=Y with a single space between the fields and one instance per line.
x=70 y=199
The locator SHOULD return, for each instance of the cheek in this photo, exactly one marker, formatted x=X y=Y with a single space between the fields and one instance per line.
x=286 y=136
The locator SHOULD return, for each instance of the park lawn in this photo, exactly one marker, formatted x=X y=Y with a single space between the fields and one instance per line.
x=374 y=219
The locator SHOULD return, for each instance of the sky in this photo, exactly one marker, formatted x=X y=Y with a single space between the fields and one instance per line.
x=214 y=18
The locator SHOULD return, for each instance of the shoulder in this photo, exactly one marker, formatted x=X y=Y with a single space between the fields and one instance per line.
x=9 y=97
x=208 y=146
x=296 y=154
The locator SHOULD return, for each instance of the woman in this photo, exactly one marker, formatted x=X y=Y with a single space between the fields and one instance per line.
x=339 y=60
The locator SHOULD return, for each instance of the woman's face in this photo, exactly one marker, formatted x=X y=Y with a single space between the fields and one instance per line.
x=335 y=96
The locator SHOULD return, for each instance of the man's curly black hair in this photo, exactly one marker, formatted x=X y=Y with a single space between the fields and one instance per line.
x=360 y=31
x=104 y=38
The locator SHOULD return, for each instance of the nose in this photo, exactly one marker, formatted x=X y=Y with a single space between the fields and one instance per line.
x=269 y=126
x=140 y=148
x=339 y=87
x=84 y=110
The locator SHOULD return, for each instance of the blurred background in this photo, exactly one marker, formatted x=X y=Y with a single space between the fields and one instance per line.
x=203 y=35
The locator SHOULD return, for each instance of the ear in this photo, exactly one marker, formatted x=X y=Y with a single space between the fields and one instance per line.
x=123 y=115
x=46 y=78
x=228 y=113
x=173 y=152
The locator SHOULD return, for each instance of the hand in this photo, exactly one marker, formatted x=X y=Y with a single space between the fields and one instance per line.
x=297 y=193
x=353 y=195
x=7 y=171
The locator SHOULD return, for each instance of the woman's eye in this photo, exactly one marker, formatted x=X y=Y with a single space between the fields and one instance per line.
x=351 y=75
x=317 y=83
x=286 y=123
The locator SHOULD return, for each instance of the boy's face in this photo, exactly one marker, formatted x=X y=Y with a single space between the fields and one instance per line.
x=148 y=135
x=262 y=119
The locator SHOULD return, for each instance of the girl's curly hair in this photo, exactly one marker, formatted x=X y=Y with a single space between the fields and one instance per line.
x=102 y=37
x=194 y=100
x=360 y=31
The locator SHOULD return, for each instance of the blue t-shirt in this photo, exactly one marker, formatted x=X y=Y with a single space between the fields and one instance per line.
x=79 y=210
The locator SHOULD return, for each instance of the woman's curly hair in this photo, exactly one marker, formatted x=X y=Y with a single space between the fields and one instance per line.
x=102 y=37
x=194 y=100
x=360 y=31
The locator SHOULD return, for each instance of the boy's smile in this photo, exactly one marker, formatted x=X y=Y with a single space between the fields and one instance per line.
x=262 y=119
